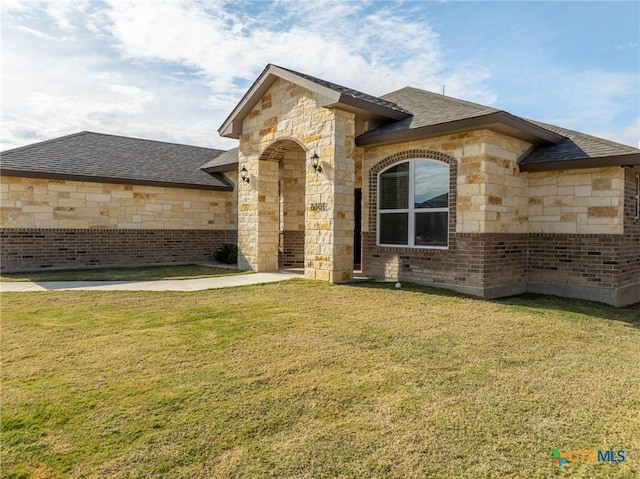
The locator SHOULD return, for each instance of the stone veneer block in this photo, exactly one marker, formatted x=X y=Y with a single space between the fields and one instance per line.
x=80 y=204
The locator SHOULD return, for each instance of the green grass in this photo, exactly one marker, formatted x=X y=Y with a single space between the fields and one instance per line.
x=304 y=379
x=148 y=273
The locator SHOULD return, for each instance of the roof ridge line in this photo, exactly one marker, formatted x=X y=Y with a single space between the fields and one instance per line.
x=451 y=98
x=153 y=141
x=86 y=132
x=50 y=140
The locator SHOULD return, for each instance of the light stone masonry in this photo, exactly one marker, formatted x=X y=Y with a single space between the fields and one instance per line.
x=283 y=129
x=44 y=203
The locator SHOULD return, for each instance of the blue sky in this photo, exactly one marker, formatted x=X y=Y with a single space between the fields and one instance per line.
x=173 y=70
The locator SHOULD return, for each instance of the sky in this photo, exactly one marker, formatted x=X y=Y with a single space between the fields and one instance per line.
x=173 y=70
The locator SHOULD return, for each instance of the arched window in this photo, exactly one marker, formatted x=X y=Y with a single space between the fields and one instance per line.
x=413 y=204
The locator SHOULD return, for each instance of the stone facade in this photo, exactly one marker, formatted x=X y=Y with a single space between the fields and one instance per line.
x=491 y=191
x=589 y=201
x=572 y=232
x=285 y=125
x=500 y=218
x=52 y=223
x=49 y=203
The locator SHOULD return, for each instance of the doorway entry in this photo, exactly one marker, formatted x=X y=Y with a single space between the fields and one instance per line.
x=357 y=229
x=289 y=178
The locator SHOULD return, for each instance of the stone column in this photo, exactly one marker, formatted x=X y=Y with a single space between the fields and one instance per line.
x=344 y=182
x=258 y=206
x=329 y=216
x=247 y=213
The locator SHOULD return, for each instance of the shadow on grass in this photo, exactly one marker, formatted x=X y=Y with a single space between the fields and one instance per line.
x=527 y=301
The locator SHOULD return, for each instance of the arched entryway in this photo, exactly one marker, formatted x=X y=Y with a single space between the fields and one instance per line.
x=286 y=185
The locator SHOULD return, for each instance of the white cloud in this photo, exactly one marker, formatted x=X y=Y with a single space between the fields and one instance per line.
x=173 y=70
x=35 y=33
x=218 y=46
x=376 y=52
x=629 y=135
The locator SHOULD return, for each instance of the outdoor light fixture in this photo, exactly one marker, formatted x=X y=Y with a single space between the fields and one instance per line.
x=315 y=162
x=244 y=174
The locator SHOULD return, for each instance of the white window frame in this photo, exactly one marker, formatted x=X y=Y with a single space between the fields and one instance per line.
x=412 y=210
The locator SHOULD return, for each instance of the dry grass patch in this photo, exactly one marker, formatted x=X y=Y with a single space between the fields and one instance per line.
x=139 y=273
x=304 y=379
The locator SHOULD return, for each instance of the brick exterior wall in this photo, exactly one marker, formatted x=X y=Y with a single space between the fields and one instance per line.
x=579 y=260
x=592 y=266
x=629 y=259
x=24 y=249
x=291 y=254
x=604 y=267
x=488 y=264
x=499 y=264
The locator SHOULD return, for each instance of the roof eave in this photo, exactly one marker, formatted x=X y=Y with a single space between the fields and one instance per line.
x=221 y=168
x=106 y=179
x=358 y=105
x=500 y=121
x=631 y=159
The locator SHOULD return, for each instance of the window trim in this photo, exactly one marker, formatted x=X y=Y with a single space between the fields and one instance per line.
x=411 y=210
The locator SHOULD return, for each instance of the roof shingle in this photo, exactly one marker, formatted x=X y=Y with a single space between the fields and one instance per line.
x=380 y=101
x=429 y=108
x=576 y=146
x=101 y=157
x=227 y=161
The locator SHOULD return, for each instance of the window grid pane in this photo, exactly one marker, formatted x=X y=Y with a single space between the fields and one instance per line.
x=394 y=188
x=431 y=184
x=431 y=228
x=394 y=228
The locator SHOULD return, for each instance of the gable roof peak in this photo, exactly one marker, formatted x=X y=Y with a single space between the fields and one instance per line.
x=327 y=94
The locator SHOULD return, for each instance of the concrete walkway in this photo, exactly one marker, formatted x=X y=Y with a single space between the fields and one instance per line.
x=163 y=285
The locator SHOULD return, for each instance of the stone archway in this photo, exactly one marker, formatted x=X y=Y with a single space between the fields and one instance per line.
x=282 y=188
x=290 y=157
x=276 y=216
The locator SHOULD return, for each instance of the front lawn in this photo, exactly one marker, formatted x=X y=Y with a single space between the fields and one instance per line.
x=304 y=379
x=138 y=273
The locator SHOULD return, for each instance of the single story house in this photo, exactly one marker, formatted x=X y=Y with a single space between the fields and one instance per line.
x=412 y=185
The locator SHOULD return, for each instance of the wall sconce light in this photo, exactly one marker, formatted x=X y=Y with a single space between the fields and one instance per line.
x=244 y=175
x=315 y=162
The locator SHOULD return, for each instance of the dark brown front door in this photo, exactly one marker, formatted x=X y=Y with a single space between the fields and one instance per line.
x=357 y=230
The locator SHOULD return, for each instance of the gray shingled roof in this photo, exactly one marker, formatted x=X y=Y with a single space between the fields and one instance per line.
x=576 y=146
x=227 y=161
x=381 y=101
x=431 y=109
x=428 y=109
x=99 y=157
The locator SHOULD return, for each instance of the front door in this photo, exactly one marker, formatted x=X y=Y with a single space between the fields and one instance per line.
x=357 y=230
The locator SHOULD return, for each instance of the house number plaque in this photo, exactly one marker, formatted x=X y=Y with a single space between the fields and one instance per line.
x=318 y=206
